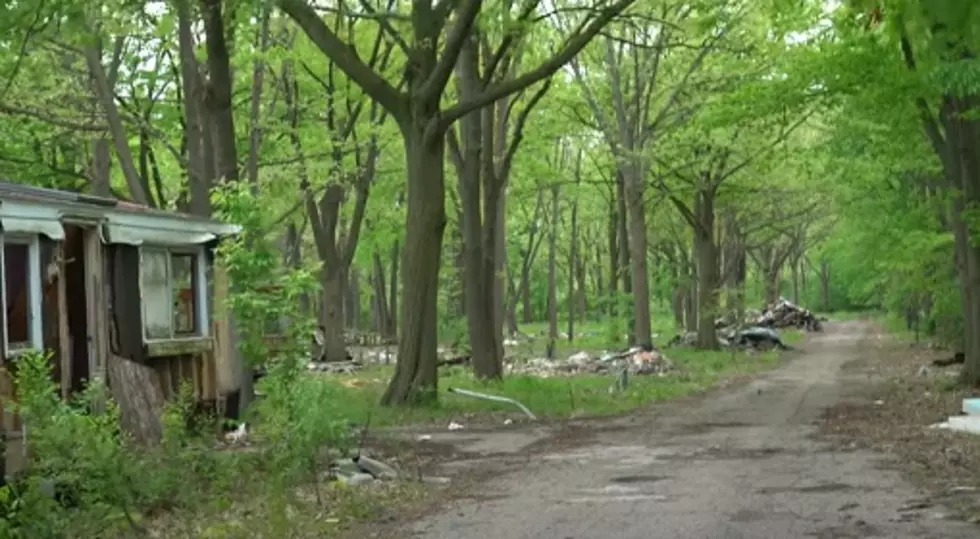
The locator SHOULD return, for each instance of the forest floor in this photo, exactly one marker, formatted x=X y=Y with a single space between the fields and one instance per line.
x=815 y=448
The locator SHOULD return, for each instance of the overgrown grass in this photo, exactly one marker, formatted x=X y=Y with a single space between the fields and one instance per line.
x=547 y=397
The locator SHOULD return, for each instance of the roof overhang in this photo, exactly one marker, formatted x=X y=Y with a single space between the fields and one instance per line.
x=121 y=227
x=25 y=218
x=136 y=229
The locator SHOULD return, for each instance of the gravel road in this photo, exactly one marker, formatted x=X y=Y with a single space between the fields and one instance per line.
x=742 y=463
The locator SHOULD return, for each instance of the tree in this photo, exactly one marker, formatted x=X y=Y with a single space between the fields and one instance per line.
x=423 y=122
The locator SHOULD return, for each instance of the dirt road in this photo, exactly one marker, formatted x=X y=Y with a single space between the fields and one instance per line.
x=740 y=464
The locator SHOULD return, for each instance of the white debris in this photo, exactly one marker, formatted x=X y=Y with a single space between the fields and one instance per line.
x=237 y=436
x=455 y=426
x=960 y=423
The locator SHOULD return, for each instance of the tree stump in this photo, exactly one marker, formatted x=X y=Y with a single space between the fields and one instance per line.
x=137 y=390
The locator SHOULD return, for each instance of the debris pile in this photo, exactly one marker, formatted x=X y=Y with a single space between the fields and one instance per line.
x=784 y=314
x=638 y=361
x=756 y=337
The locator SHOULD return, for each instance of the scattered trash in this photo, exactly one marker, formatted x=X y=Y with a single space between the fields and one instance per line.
x=494 y=398
x=508 y=421
x=238 y=436
x=424 y=437
x=639 y=361
x=455 y=426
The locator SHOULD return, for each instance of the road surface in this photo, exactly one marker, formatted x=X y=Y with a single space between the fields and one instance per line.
x=740 y=464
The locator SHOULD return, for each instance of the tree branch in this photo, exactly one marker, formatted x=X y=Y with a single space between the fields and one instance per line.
x=572 y=47
x=461 y=31
x=345 y=56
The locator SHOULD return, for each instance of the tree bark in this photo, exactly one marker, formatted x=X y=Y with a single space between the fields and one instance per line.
x=707 y=260
x=416 y=373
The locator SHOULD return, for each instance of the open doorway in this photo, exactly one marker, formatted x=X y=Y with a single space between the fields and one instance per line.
x=77 y=303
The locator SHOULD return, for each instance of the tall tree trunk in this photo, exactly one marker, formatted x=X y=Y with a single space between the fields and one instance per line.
x=392 y=330
x=553 y=275
x=416 y=373
x=479 y=281
x=625 y=257
x=707 y=260
x=353 y=310
x=573 y=263
x=332 y=312
x=612 y=234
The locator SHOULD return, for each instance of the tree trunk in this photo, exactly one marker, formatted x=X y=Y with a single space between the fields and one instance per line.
x=416 y=373
x=353 y=309
x=573 y=263
x=625 y=257
x=612 y=234
x=772 y=277
x=553 y=275
x=693 y=310
x=381 y=313
x=707 y=260
x=825 y=285
x=527 y=310
x=677 y=306
x=332 y=313
x=392 y=329
x=795 y=277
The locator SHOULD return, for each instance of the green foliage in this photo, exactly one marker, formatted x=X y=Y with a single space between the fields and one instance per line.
x=265 y=294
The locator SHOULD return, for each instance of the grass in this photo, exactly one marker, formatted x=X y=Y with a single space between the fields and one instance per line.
x=547 y=397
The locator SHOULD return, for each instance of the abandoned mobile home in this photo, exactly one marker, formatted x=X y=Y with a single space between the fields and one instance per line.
x=110 y=288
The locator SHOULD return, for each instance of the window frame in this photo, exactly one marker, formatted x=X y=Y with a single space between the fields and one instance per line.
x=201 y=322
x=35 y=326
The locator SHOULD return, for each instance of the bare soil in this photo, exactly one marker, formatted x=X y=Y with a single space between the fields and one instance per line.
x=793 y=453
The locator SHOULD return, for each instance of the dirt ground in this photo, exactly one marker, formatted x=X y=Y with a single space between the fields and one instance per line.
x=794 y=453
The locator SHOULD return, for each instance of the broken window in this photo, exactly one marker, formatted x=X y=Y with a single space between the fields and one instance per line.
x=20 y=301
x=171 y=293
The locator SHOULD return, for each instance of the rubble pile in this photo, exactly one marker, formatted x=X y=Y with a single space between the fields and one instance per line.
x=638 y=361
x=757 y=329
x=784 y=314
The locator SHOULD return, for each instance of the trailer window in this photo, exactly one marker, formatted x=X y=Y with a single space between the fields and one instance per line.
x=21 y=293
x=173 y=293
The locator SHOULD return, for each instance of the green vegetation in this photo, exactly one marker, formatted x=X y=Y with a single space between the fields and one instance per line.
x=450 y=176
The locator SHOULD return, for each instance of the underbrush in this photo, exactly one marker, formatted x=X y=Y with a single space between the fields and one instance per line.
x=89 y=480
